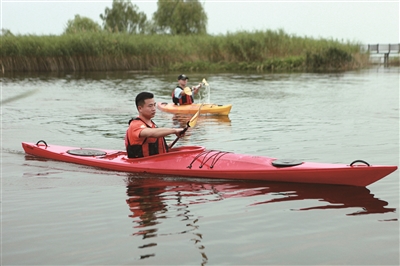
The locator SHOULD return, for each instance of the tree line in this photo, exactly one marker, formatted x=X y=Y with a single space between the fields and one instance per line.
x=174 y=17
x=175 y=38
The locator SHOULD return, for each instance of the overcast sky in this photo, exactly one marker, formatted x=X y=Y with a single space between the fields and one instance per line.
x=359 y=21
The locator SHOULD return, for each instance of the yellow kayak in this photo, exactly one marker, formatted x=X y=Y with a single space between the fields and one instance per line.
x=207 y=108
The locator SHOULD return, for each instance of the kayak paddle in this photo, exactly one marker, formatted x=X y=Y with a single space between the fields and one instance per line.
x=205 y=82
x=18 y=97
x=191 y=123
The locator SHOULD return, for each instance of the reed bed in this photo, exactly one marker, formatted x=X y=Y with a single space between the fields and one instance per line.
x=103 y=51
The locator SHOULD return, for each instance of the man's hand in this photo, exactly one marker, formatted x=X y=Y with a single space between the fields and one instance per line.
x=179 y=132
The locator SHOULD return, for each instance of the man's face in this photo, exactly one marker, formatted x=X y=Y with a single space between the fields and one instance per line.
x=148 y=110
x=182 y=82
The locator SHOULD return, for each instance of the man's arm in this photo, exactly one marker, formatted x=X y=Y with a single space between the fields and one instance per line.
x=196 y=89
x=159 y=132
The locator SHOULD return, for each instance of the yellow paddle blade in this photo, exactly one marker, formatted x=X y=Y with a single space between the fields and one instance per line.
x=191 y=123
x=205 y=82
x=193 y=120
x=187 y=91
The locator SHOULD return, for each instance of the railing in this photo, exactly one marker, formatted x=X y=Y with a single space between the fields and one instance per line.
x=384 y=49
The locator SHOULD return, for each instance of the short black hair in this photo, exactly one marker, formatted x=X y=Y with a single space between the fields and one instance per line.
x=141 y=97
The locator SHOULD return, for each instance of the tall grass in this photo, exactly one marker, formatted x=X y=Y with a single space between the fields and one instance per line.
x=260 y=50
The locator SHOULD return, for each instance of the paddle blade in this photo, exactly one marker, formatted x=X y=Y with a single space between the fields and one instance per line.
x=193 y=120
x=205 y=82
x=187 y=91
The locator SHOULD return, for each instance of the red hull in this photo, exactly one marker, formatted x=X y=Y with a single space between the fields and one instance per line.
x=196 y=161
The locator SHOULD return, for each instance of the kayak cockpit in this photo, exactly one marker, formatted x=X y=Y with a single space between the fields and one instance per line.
x=172 y=153
x=187 y=149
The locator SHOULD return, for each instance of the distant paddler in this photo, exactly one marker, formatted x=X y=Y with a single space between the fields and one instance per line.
x=182 y=94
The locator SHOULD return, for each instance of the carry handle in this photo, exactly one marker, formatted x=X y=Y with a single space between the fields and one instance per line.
x=359 y=161
x=37 y=143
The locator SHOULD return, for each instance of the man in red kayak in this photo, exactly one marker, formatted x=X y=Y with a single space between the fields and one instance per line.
x=183 y=94
x=143 y=137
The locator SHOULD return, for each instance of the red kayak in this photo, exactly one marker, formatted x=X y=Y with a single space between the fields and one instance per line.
x=197 y=161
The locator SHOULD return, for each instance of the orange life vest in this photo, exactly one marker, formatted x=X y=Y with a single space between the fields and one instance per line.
x=147 y=147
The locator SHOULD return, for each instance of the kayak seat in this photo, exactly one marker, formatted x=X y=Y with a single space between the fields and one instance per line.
x=286 y=162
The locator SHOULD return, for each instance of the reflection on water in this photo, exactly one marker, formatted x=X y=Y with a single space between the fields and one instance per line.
x=334 y=197
x=153 y=200
x=149 y=203
x=318 y=117
x=181 y=120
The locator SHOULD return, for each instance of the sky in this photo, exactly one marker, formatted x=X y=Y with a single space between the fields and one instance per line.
x=365 y=22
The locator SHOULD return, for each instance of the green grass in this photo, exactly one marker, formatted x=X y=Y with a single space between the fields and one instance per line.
x=258 y=51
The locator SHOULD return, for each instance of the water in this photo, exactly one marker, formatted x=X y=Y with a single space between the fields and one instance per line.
x=55 y=213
